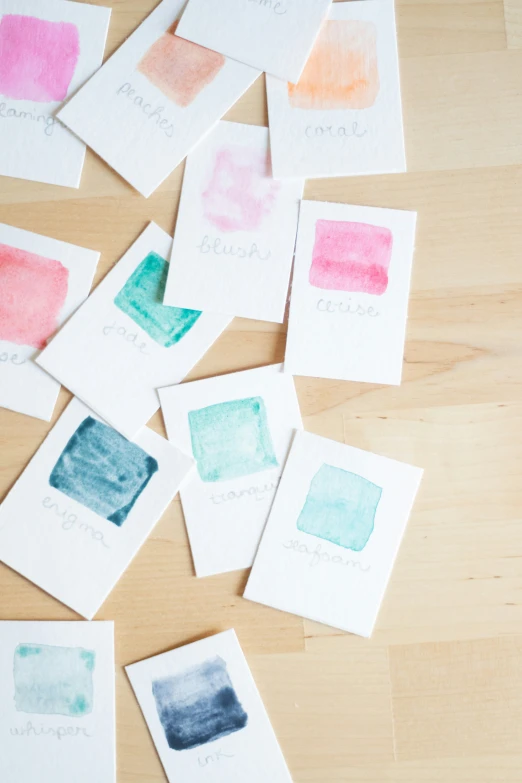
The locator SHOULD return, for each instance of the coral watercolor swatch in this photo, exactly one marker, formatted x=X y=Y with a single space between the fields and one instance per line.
x=351 y=257
x=179 y=68
x=33 y=290
x=342 y=71
x=343 y=116
x=37 y=58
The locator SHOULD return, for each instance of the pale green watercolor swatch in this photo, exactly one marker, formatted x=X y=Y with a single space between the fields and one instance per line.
x=231 y=439
x=54 y=680
x=340 y=507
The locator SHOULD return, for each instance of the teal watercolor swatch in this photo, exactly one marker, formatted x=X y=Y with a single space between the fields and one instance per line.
x=231 y=439
x=54 y=680
x=340 y=507
x=103 y=471
x=141 y=298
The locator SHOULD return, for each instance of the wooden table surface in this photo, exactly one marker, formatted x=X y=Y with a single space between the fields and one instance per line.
x=436 y=695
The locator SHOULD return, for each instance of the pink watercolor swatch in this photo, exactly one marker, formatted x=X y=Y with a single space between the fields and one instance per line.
x=37 y=58
x=241 y=192
x=33 y=290
x=351 y=257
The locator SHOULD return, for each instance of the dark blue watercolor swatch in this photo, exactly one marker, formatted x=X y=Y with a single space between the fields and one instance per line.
x=198 y=706
x=103 y=470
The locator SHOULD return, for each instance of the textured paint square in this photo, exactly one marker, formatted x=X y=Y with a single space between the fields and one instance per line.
x=241 y=191
x=103 y=470
x=351 y=257
x=33 y=290
x=37 y=58
x=342 y=71
x=141 y=298
x=198 y=706
x=340 y=507
x=54 y=680
x=179 y=68
x=231 y=439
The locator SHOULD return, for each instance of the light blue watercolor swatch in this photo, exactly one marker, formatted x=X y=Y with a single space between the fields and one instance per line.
x=340 y=507
x=103 y=471
x=54 y=680
x=198 y=706
x=141 y=298
x=231 y=439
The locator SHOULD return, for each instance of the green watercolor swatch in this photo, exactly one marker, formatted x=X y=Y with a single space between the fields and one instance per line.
x=340 y=507
x=54 y=680
x=141 y=298
x=231 y=439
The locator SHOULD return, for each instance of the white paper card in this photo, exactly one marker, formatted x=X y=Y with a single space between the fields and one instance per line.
x=235 y=236
x=349 y=303
x=48 y=49
x=344 y=116
x=42 y=282
x=57 y=721
x=238 y=428
x=123 y=343
x=275 y=36
x=85 y=504
x=333 y=534
x=205 y=714
x=154 y=99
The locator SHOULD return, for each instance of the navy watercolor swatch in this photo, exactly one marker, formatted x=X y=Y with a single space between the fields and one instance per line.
x=103 y=471
x=199 y=705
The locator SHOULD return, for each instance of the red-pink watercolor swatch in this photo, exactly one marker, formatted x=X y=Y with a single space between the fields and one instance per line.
x=33 y=290
x=240 y=193
x=37 y=58
x=351 y=257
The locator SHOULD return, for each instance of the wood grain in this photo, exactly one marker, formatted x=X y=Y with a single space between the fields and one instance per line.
x=436 y=695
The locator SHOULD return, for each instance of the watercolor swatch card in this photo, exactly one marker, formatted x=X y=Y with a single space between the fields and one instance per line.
x=238 y=428
x=275 y=36
x=42 y=281
x=154 y=99
x=333 y=534
x=344 y=115
x=48 y=49
x=234 y=241
x=57 y=721
x=205 y=714
x=85 y=504
x=123 y=343
x=349 y=304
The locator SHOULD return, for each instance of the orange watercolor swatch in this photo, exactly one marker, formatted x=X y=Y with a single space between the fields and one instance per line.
x=179 y=68
x=342 y=71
